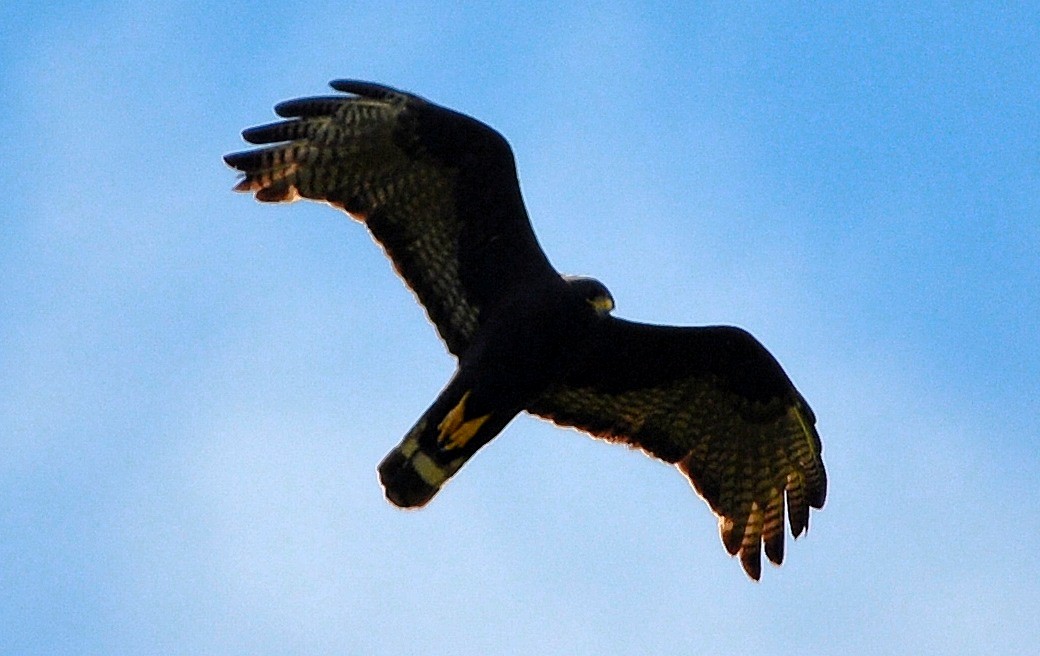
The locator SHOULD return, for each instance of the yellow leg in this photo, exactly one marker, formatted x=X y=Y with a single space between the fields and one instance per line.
x=455 y=430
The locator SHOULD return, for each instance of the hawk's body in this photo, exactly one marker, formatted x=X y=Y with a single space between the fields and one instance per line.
x=439 y=191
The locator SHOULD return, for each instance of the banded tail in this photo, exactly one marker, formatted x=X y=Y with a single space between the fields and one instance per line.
x=411 y=477
x=446 y=436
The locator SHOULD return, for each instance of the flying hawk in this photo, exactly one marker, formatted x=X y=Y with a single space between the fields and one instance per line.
x=439 y=191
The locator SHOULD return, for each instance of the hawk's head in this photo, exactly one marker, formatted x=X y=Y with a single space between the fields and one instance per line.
x=592 y=292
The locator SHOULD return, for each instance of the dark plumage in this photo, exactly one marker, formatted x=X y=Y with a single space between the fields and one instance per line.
x=439 y=191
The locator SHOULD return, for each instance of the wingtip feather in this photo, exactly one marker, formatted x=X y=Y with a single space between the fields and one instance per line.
x=245 y=185
x=364 y=88
x=751 y=561
x=269 y=133
x=309 y=107
x=732 y=534
x=773 y=529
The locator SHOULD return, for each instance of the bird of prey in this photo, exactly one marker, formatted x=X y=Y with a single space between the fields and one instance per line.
x=439 y=192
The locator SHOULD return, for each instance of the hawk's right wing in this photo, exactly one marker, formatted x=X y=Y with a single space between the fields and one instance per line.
x=437 y=189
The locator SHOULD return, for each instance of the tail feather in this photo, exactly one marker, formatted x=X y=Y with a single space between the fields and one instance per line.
x=411 y=477
x=448 y=434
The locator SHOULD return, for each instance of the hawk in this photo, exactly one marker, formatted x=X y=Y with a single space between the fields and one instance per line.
x=439 y=192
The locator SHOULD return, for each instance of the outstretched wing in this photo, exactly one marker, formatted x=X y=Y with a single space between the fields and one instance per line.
x=716 y=404
x=437 y=189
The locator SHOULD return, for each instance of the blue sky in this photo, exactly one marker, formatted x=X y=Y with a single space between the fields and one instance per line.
x=196 y=388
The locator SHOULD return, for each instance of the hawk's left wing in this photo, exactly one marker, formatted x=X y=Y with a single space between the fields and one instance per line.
x=716 y=404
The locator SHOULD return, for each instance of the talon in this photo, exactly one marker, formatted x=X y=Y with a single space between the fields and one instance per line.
x=455 y=430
